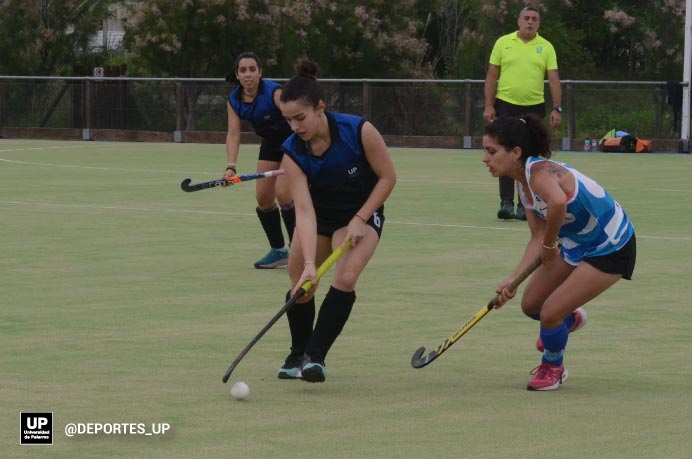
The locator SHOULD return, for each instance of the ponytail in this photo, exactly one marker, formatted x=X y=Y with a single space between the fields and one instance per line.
x=527 y=132
x=304 y=85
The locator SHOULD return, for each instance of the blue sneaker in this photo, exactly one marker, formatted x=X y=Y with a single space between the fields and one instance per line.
x=273 y=259
x=291 y=367
x=313 y=369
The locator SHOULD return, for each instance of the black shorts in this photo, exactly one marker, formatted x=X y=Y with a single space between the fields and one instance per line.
x=327 y=228
x=504 y=109
x=620 y=262
x=270 y=150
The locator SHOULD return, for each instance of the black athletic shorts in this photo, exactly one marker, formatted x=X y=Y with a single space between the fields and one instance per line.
x=504 y=109
x=328 y=227
x=270 y=150
x=620 y=262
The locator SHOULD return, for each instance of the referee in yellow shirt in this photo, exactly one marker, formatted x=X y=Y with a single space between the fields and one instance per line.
x=514 y=86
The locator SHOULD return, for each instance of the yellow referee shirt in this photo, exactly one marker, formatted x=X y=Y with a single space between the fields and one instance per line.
x=523 y=67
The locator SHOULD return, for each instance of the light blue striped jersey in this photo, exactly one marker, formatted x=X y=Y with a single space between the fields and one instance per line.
x=594 y=224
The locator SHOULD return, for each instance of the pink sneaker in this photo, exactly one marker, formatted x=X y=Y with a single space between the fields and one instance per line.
x=580 y=319
x=547 y=377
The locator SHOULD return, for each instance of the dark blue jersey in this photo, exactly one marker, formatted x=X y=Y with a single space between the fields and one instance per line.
x=341 y=179
x=262 y=113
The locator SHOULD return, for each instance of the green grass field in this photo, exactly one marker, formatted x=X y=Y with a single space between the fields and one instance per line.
x=124 y=300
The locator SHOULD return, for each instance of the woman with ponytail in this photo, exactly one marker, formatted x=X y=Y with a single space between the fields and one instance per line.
x=256 y=100
x=584 y=238
x=340 y=174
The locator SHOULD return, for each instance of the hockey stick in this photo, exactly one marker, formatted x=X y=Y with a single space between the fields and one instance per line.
x=324 y=267
x=418 y=361
x=189 y=188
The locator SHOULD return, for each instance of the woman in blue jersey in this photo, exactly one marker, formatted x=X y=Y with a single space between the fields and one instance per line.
x=584 y=238
x=340 y=174
x=256 y=100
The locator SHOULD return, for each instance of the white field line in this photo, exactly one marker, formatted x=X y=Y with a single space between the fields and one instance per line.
x=437 y=225
x=236 y=214
x=109 y=145
x=64 y=147
x=124 y=208
x=160 y=171
x=102 y=168
x=27 y=163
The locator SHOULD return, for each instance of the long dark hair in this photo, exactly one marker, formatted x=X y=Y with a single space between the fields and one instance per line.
x=304 y=85
x=527 y=132
x=244 y=55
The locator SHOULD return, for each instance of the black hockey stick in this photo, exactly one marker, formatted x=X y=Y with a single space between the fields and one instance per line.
x=418 y=361
x=324 y=267
x=189 y=188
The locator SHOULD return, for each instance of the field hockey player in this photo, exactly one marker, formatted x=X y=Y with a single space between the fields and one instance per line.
x=256 y=100
x=340 y=174
x=583 y=236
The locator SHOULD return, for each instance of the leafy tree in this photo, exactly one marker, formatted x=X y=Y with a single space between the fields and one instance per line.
x=196 y=38
x=191 y=38
x=446 y=21
x=370 y=39
x=47 y=37
x=645 y=37
x=201 y=38
x=594 y=39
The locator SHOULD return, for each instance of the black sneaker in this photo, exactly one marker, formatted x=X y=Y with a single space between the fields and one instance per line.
x=506 y=211
x=313 y=369
x=291 y=367
x=521 y=213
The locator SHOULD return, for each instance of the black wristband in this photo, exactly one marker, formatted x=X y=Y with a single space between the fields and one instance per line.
x=231 y=168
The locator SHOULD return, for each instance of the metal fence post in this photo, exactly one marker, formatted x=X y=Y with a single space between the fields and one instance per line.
x=367 y=113
x=2 y=104
x=88 y=108
x=571 y=118
x=658 y=122
x=179 y=112
x=468 y=105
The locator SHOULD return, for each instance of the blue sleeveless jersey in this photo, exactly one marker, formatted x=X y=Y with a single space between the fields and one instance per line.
x=594 y=225
x=341 y=179
x=262 y=113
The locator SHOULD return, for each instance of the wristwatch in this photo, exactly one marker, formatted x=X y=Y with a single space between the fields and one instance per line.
x=558 y=108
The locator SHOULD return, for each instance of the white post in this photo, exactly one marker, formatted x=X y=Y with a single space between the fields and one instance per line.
x=686 y=78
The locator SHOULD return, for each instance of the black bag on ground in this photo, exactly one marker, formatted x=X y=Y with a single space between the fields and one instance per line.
x=624 y=144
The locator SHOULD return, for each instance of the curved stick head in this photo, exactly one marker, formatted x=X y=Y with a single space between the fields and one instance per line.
x=185 y=185
x=227 y=375
x=417 y=360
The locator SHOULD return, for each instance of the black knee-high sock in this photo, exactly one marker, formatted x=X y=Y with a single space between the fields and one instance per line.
x=288 y=214
x=271 y=223
x=301 y=316
x=507 y=189
x=333 y=315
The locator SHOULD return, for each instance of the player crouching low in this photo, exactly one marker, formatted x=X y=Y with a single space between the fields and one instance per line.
x=584 y=238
